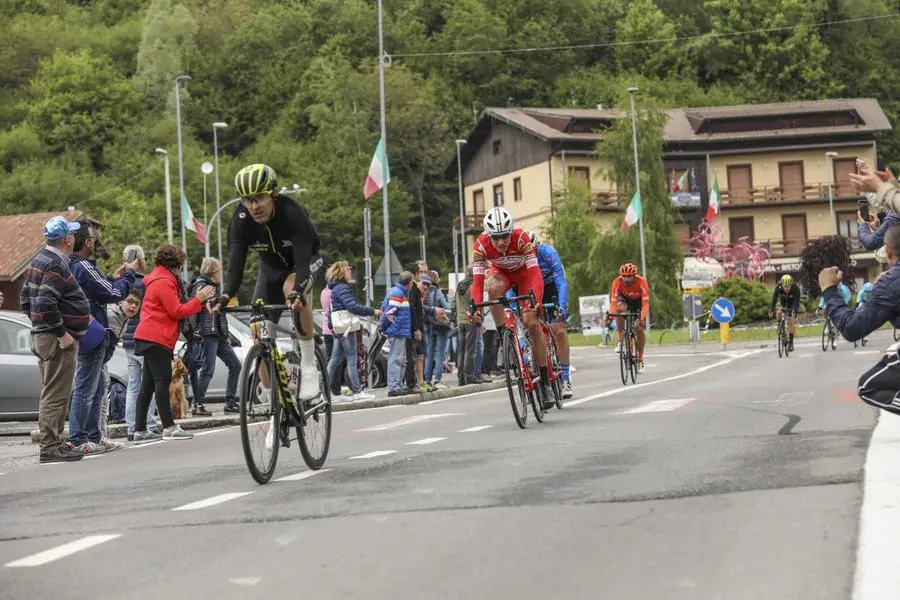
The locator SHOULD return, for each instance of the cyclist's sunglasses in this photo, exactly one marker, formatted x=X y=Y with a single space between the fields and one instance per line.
x=501 y=236
x=251 y=200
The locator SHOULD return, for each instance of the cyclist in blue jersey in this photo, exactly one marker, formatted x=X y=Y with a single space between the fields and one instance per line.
x=556 y=291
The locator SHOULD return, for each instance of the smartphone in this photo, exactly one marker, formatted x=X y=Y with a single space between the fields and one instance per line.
x=864 y=210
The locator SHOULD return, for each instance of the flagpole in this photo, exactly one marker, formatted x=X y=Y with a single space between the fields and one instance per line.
x=384 y=153
x=178 y=79
x=637 y=184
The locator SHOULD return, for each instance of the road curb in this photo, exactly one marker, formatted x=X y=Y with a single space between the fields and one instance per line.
x=120 y=430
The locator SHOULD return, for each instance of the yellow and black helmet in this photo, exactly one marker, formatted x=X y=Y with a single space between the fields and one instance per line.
x=255 y=179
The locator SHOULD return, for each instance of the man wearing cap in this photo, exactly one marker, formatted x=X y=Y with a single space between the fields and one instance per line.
x=60 y=315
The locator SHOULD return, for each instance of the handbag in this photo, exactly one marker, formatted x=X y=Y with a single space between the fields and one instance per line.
x=344 y=322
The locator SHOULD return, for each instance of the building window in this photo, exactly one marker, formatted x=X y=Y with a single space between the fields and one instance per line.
x=847 y=224
x=739 y=227
x=842 y=168
x=517 y=189
x=793 y=228
x=496 y=146
x=740 y=183
x=498 y=194
x=478 y=202
x=790 y=176
x=581 y=175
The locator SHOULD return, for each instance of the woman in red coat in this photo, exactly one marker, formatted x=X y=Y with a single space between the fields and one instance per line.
x=155 y=338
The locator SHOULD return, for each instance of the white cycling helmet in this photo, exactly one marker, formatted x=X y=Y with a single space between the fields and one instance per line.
x=498 y=221
x=532 y=235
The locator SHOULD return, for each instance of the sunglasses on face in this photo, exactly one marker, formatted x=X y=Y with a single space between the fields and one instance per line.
x=253 y=200
x=501 y=236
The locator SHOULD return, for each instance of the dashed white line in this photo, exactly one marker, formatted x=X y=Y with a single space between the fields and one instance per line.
x=462 y=397
x=302 y=475
x=211 y=431
x=245 y=580
x=374 y=454
x=663 y=380
x=212 y=501
x=407 y=421
x=426 y=441
x=658 y=406
x=47 y=556
x=474 y=429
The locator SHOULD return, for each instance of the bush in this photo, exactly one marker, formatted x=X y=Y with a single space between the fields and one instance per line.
x=751 y=299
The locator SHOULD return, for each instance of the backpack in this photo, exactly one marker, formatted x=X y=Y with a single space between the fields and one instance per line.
x=117 y=395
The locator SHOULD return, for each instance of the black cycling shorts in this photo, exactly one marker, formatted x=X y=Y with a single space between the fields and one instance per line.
x=632 y=306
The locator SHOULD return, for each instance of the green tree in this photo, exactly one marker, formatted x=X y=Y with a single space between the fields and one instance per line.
x=79 y=102
x=167 y=40
x=644 y=21
x=663 y=255
x=751 y=299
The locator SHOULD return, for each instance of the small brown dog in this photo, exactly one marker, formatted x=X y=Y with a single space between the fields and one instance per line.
x=177 y=399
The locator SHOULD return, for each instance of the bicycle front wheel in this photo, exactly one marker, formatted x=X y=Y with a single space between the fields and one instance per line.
x=314 y=431
x=536 y=396
x=781 y=345
x=556 y=371
x=826 y=332
x=623 y=360
x=632 y=357
x=260 y=414
x=515 y=385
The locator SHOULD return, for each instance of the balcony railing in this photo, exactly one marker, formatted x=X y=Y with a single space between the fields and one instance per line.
x=474 y=222
x=779 y=248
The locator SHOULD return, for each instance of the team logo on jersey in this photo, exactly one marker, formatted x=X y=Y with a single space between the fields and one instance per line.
x=242 y=215
x=259 y=247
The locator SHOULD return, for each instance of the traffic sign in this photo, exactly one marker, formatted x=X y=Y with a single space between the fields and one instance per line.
x=723 y=310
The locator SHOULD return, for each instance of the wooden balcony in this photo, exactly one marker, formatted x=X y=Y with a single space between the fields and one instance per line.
x=779 y=248
x=474 y=222
x=766 y=195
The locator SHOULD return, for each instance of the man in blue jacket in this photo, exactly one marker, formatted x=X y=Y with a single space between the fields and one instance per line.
x=871 y=234
x=880 y=386
x=396 y=323
x=556 y=291
x=89 y=390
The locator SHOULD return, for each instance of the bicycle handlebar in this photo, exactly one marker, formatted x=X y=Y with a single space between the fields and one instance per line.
x=258 y=308
x=503 y=301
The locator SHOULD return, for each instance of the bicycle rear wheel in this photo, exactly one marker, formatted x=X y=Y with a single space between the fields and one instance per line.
x=314 y=431
x=623 y=361
x=826 y=332
x=535 y=396
x=833 y=337
x=260 y=418
x=781 y=346
x=556 y=370
x=632 y=356
x=515 y=385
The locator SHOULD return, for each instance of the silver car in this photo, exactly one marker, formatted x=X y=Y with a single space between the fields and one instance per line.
x=20 y=376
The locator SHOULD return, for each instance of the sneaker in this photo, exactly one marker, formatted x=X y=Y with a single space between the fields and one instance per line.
x=200 y=411
x=232 y=407
x=549 y=401
x=567 y=390
x=438 y=386
x=618 y=347
x=89 y=448
x=270 y=435
x=359 y=397
x=176 y=433
x=640 y=367
x=309 y=384
x=143 y=437
x=426 y=387
x=130 y=437
x=400 y=392
x=110 y=445
x=60 y=453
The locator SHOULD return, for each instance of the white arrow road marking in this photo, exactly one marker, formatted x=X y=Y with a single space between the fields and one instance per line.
x=47 y=556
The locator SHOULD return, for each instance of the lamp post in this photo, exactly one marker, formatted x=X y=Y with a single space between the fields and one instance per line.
x=463 y=251
x=165 y=156
x=829 y=156
x=216 y=126
x=637 y=184
x=207 y=168
x=178 y=79
x=382 y=59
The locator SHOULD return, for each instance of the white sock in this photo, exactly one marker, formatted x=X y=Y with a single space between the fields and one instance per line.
x=307 y=355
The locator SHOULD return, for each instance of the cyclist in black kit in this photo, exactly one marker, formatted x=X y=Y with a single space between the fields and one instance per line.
x=278 y=228
x=787 y=296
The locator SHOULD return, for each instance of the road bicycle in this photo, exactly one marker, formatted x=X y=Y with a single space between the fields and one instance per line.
x=269 y=398
x=523 y=377
x=555 y=370
x=784 y=342
x=628 y=357
x=829 y=336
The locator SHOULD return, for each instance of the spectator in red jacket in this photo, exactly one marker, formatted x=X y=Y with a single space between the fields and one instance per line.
x=164 y=307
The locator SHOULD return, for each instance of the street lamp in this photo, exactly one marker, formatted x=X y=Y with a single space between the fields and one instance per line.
x=179 y=79
x=830 y=158
x=637 y=184
x=462 y=213
x=216 y=126
x=207 y=168
x=165 y=156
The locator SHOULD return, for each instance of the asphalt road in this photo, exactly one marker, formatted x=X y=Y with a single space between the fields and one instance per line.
x=722 y=475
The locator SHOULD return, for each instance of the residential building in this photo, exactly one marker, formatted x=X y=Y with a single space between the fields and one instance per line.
x=777 y=165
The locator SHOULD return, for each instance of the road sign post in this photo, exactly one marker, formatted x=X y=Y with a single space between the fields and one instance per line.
x=723 y=312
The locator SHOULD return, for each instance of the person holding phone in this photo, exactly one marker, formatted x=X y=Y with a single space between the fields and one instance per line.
x=871 y=229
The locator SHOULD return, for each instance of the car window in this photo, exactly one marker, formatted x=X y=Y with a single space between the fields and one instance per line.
x=15 y=338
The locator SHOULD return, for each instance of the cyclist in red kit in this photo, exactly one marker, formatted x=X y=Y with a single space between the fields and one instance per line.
x=506 y=257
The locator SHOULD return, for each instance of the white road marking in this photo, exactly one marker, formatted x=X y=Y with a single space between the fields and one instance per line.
x=47 y=556
x=212 y=431
x=474 y=429
x=696 y=371
x=877 y=552
x=407 y=421
x=245 y=580
x=658 y=406
x=868 y=352
x=426 y=441
x=374 y=454
x=136 y=446
x=472 y=395
x=212 y=501
x=302 y=475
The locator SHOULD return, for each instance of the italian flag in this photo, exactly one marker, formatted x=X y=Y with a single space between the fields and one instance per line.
x=633 y=213
x=683 y=183
x=713 y=208
x=379 y=172
x=190 y=222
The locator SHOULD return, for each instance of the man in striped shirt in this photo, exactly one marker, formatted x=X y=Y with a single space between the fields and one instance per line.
x=60 y=314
